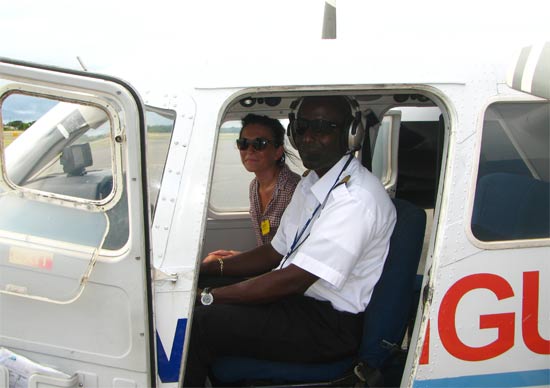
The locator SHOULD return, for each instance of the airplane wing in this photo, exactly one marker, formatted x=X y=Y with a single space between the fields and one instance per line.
x=531 y=71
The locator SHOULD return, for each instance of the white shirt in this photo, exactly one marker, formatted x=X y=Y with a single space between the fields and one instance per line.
x=348 y=239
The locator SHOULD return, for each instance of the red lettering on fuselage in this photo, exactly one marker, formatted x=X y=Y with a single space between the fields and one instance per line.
x=530 y=315
x=425 y=356
x=503 y=322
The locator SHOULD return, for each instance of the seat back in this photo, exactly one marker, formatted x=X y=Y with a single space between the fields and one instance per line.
x=388 y=312
x=511 y=207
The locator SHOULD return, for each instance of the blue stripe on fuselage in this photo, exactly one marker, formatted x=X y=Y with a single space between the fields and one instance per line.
x=169 y=369
x=528 y=378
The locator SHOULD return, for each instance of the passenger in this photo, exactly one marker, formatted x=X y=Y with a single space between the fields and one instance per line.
x=261 y=145
x=315 y=278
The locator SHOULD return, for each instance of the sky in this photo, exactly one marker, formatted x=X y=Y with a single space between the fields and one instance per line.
x=105 y=31
x=120 y=37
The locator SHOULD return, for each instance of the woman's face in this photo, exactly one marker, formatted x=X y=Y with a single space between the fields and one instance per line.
x=259 y=161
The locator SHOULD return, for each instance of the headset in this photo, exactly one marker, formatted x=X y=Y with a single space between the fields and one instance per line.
x=355 y=132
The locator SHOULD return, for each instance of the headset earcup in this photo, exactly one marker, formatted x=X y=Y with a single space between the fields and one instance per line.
x=290 y=129
x=356 y=133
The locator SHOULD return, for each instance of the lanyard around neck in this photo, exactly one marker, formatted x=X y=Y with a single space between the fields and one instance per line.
x=298 y=236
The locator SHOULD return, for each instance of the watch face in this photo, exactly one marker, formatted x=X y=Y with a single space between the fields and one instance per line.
x=207 y=298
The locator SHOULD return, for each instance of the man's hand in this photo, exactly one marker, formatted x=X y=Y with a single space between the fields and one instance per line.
x=266 y=288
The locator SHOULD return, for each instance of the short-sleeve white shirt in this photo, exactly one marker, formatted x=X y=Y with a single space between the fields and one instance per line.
x=348 y=239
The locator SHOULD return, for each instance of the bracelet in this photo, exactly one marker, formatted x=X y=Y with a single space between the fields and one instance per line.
x=220 y=260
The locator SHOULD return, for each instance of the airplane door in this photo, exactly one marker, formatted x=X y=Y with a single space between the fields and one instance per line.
x=75 y=288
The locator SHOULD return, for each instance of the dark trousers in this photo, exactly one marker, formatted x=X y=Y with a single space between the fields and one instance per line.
x=294 y=329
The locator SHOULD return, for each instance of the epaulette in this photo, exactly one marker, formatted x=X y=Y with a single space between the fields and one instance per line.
x=343 y=181
x=306 y=173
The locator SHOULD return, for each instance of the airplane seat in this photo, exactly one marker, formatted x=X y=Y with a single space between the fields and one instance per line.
x=511 y=206
x=385 y=322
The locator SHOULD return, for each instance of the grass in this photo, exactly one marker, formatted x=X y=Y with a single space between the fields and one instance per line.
x=10 y=136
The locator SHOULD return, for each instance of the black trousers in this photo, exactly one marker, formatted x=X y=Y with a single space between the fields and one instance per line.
x=294 y=329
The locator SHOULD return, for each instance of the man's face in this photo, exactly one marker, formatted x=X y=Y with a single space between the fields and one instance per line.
x=319 y=141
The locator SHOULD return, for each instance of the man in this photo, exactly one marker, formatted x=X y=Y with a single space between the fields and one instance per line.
x=308 y=287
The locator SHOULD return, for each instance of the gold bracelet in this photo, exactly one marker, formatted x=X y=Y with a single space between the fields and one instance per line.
x=220 y=260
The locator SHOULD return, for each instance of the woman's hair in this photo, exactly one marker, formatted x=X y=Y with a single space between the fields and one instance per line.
x=276 y=128
x=274 y=125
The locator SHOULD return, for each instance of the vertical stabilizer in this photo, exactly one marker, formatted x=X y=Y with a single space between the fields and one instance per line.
x=329 y=20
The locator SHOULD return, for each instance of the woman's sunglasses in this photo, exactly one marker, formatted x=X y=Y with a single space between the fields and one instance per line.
x=259 y=143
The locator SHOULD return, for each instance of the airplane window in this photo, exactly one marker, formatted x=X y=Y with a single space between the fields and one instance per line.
x=160 y=124
x=62 y=149
x=230 y=183
x=512 y=200
x=58 y=147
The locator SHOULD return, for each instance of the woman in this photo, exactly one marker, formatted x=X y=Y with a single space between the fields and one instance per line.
x=262 y=152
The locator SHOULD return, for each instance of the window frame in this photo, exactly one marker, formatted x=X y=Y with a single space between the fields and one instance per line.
x=389 y=168
x=116 y=131
x=153 y=192
x=501 y=244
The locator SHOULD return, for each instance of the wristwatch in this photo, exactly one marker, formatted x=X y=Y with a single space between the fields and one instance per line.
x=206 y=297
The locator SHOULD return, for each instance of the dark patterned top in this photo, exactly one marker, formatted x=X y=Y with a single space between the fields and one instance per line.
x=265 y=225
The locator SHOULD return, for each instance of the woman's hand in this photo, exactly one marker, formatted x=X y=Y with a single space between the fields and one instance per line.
x=224 y=253
x=219 y=254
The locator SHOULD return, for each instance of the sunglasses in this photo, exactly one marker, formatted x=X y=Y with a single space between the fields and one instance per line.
x=259 y=143
x=317 y=127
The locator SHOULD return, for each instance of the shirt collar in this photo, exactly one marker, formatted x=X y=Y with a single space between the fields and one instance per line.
x=321 y=186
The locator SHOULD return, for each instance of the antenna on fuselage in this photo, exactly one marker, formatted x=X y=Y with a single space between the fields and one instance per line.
x=329 y=20
x=81 y=63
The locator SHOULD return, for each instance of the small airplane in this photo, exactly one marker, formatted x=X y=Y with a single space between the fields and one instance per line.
x=116 y=190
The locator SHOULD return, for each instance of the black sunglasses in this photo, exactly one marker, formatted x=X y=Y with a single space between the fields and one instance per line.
x=259 y=143
x=318 y=127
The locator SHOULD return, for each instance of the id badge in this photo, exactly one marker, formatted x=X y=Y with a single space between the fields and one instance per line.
x=265 y=227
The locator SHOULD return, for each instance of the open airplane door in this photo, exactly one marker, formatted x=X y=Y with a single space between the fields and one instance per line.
x=75 y=287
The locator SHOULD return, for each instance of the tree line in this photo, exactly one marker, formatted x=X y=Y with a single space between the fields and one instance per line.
x=17 y=125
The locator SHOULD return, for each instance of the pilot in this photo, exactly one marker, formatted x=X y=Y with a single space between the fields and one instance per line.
x=308 y=287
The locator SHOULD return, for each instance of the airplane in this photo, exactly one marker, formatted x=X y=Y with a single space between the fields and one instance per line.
x=117 y=190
